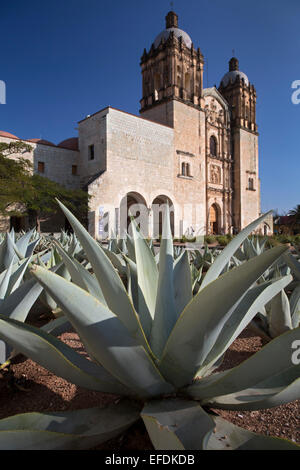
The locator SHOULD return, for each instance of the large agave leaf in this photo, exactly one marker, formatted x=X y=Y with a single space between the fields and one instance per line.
x=8 y=252
x=17 y=276
x=137 y=297
x=247 y=308
x=224 y=257
x=176 y=424
x=23 y=242
x=104 y=335
x=130 y=248
x=199 y=325
x=183 y=289
x=80 y=275
x=62 y=271
x=116 y=260
x=295 y=307
x=57 y=357
x=280 y=319
x=18 y=304
x=165 y=312
x=228 y=436
x=268 y=378
x=4 y=281
x=146 y=269
x=68 y=430
x=111 y=285
x=57 y=326
x=293 y=264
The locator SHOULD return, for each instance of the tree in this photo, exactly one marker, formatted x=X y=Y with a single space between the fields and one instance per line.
x=14 y=175
x=295 y=215
x=24 y=193
x=40 y=199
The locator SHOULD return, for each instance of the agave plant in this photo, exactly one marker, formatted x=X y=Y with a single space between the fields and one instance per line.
x=19 y=292
x=158 y=351
x=16 y=295
x=282 y=313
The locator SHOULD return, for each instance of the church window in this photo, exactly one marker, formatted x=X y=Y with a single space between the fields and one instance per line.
x=247 y=112
x=213 y=146
x=187 y=82
x=74 y=169
x=185 y=169
x=91 y=152
x=41 y=167
x=157 y=85
x=251 y=184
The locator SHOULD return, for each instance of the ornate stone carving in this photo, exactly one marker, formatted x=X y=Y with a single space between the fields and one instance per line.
x=215 y=174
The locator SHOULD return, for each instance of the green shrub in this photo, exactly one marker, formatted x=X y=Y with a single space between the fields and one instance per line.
x=209 y=239
x=222 y=240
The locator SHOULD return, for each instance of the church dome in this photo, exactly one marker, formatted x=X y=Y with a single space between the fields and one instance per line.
x=177 y=33
x=172 y=26
x=230 y=77
x=234 y=72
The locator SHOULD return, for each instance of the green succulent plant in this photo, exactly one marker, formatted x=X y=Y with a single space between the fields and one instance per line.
x=282 y=313
x=157 y=347
x=17 y=295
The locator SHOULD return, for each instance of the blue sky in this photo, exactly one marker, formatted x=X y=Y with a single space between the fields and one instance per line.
x=62 y=60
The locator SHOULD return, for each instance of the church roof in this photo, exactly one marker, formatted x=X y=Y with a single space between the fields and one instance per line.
x=8 y=135
x=70 y=144
x=41 y=141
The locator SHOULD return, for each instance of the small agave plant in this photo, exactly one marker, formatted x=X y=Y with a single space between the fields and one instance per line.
x=157 y=346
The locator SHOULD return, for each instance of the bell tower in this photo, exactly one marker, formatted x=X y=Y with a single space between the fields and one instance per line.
x=241 y=97
x=172 y=69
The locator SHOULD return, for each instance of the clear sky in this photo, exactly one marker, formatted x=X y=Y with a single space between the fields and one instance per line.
x=64 y=59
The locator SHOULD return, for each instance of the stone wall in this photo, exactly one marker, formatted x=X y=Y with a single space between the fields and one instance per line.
x=189 y=147
x=57 y=162
x=250 y=197
x=92 y=131
x=139 y=161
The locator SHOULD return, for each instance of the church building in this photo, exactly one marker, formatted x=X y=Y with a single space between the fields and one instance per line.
x=192 y=147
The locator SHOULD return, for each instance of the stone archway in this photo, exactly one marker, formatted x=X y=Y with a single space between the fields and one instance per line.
x=134 y=205
x=214 y=219
x=158 y=206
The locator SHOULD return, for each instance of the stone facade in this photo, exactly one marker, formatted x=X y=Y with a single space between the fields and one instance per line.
x=193 y=148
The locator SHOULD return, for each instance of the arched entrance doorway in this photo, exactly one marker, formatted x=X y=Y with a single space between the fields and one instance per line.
x=158 y=206
x=214 y=219
x=133 y=205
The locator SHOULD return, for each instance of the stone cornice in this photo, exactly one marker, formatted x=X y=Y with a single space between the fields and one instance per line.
x=221 y=159
x=186 y=154
x=171 y=98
